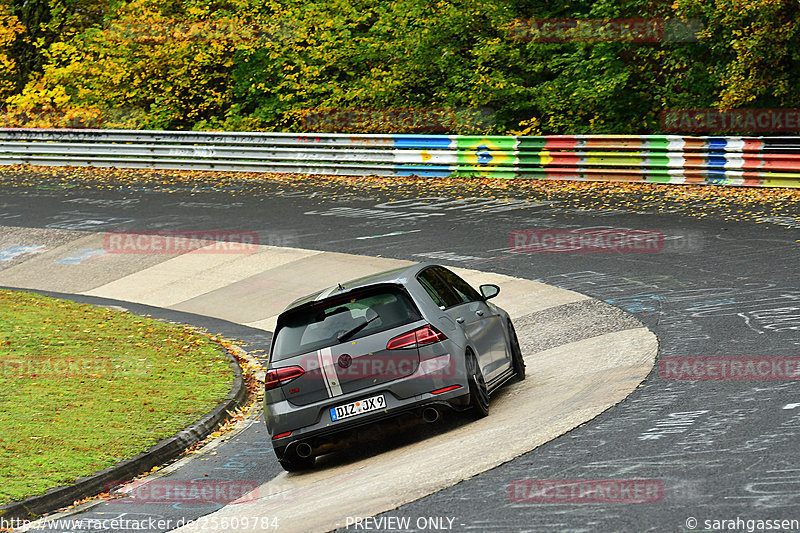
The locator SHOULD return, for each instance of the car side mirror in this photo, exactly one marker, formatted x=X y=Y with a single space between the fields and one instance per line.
x=489 y=291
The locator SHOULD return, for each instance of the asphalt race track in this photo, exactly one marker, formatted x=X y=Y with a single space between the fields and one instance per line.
x=584 y=357
x=717 y=449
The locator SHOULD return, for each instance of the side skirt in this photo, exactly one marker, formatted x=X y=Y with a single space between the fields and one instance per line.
x=500 y=380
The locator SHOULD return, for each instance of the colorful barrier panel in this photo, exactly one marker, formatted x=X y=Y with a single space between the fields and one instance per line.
x=669 y=159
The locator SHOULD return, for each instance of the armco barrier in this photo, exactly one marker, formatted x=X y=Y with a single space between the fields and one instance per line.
x=747 y=161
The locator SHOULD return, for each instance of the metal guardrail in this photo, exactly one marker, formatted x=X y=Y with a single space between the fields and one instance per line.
x=748 y=161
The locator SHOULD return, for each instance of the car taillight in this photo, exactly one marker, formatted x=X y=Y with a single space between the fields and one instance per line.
x=419 y=337
x=446 y=389
x=279 y=376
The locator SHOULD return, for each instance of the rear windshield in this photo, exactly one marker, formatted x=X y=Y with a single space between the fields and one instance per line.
x=318 y=326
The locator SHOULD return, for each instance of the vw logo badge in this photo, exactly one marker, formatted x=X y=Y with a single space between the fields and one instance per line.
x=345 y=360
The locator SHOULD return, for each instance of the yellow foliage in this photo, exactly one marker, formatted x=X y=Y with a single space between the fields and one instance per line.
x=142 y=70
x=45 y=106
x=528 y=127
x=10 y=28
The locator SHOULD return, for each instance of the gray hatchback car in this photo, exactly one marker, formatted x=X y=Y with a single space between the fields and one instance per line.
x=416 y=340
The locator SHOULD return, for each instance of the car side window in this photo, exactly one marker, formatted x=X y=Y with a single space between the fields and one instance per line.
x=463 y=289
x=438 y=289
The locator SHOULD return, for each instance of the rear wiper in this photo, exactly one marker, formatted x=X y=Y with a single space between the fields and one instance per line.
x=369 y=317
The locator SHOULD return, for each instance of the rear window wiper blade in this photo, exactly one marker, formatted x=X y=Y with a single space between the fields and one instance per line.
x=369 y=317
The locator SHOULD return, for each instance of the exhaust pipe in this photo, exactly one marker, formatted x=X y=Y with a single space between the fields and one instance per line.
x=430 y=415
x=303 y=450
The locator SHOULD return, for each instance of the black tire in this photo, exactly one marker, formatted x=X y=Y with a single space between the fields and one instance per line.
x=478 y=391
x=517 y=362
x=291 y=462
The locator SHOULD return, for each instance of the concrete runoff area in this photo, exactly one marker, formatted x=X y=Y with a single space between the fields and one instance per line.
x=567 y=384
x=60 y=260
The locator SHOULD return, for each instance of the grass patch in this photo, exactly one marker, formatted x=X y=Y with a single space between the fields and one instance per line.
x=83 y=387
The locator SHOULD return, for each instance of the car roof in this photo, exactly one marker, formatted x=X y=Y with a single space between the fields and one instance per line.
x=396 y=276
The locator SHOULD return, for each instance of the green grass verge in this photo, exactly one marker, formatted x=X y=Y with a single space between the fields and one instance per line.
x=83 y=387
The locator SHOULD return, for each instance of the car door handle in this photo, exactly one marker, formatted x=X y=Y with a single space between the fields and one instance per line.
x=479 y=312
x=460 y=320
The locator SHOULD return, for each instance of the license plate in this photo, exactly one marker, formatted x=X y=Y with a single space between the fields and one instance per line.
x=347 y=410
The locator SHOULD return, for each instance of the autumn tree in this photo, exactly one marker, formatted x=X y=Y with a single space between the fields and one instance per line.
x=10 y=29
x=272 y=64
x=753 y=50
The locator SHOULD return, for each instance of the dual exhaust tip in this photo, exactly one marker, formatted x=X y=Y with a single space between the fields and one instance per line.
x=429 y=415
x=303 y=450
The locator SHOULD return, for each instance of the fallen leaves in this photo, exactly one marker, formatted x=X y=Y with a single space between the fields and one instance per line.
x=699 y=201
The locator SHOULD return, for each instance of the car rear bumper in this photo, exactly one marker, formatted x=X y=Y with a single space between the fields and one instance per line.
x=326 y=435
